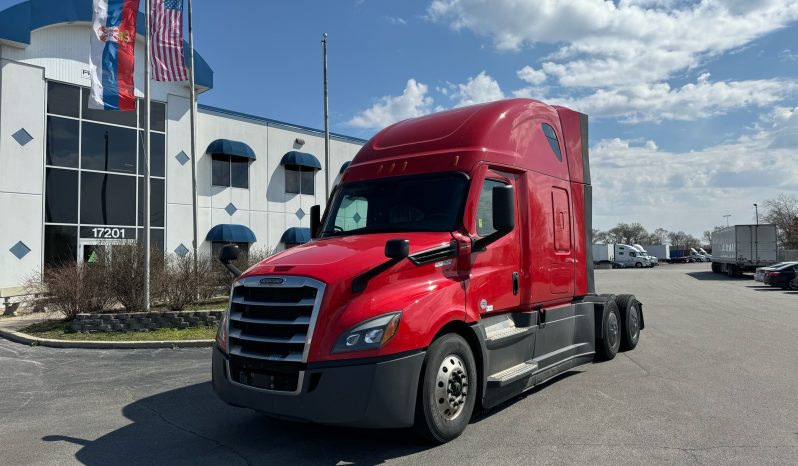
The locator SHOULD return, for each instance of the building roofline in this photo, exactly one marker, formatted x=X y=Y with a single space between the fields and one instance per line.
x=283 y=124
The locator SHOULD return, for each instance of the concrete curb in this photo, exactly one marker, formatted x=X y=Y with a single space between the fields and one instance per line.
x=34 y=341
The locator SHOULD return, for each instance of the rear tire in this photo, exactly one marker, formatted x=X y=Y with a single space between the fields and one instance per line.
x=449 y=371
x=638 y=265
x=631 y=321
x=607 y=346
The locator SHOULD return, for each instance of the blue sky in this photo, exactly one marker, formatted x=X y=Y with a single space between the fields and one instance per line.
x=693 y=104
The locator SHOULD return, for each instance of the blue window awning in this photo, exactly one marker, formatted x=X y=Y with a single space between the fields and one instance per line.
x=228 y=147
x=231 y=233
x=345 y=166
x=296 y=160
x=296 y=235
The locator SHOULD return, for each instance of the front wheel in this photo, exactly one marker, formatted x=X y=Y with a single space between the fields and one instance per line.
x=638 y=265
x=448 y=390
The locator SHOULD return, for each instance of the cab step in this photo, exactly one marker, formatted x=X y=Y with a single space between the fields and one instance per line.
x=512 y=374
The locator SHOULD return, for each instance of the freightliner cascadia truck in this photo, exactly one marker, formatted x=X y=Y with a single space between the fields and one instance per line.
x=451 y=271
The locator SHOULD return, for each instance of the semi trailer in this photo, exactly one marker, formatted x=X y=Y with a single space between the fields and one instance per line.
x=451 y=271
x=660 y=251
x=743 y=248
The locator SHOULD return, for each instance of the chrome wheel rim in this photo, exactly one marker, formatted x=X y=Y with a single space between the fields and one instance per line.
x=634 y=323
x=451 y=387
x=612 y=329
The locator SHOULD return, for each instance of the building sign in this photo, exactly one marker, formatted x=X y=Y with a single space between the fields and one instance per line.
x=107 y=233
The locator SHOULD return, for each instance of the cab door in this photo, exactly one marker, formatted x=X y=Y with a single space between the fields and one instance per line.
x=494 y=283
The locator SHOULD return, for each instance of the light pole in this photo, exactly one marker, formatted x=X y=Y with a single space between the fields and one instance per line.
x=727 y=219
x=756 y=210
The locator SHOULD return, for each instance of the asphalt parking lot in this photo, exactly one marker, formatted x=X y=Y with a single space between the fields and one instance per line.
x=713 y=381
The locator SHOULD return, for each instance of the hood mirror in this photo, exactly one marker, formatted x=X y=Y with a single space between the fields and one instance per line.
x=228 y=254
x=397 y=248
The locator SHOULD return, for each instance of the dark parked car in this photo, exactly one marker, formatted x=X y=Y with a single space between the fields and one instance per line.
x=781 y=276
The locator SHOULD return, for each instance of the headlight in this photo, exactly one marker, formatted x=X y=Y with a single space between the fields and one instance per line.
x=221 y=332
x=371 y=334
x=223 y=329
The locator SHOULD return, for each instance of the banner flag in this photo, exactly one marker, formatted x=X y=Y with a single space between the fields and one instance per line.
x=113 y=46
x=166 y=24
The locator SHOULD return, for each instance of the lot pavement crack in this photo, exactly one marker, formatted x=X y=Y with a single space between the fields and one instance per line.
x=642 y=368
x=232 y=450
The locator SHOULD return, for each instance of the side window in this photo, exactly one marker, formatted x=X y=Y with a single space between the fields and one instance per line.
x=551 y=136
x=352 y=213
x=485 y=208
x=620 y=253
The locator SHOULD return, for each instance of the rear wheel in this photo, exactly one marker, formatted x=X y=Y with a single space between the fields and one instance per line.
x=607 y=346
x=631 y=321
x=448 y=389
x=638 y=265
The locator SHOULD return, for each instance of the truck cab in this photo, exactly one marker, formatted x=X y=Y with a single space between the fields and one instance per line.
x=629 y=256
x=652 y=260
x=451 y=270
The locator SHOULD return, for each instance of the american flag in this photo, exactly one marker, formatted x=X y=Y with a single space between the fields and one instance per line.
x=166 y=26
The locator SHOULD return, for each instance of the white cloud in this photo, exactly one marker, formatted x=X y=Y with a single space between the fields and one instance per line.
x=691 y=191
x=478 y=89
x=413 y=102
x=531 y=75
x=659 y=101
x=607 y=44
x=396 y=20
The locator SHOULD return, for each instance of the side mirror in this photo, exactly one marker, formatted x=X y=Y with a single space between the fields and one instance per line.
x=397 y=249
x=315 y=221
x=503 y=208
x=503 y=216
x=228 y=254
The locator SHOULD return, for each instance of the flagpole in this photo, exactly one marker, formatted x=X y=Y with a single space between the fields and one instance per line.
x=327 y=169
x=147 y=61
x=193 y=130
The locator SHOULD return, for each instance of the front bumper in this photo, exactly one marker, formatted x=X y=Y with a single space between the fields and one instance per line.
x=360 y=393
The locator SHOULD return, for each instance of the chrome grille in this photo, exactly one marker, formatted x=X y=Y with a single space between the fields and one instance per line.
x=272 y=317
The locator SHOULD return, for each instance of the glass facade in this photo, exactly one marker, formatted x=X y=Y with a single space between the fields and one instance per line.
x=94 y=173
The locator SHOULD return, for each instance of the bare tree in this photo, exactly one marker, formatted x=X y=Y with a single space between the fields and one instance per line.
x=629 y=233
x=783 y=212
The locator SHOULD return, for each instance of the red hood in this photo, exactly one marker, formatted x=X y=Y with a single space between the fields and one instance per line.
x=334 y=259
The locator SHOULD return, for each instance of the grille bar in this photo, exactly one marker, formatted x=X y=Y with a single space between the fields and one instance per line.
x=239 y=317
x=272 y=317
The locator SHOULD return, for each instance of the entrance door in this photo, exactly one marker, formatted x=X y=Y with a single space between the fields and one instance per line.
x=91 y=251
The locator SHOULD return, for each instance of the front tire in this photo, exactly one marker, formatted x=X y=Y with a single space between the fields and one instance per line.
x=607 y=346
x=448 y=390
x=638 y=265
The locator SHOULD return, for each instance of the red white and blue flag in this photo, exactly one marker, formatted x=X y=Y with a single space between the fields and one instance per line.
x=166 y=24
x=113 y=45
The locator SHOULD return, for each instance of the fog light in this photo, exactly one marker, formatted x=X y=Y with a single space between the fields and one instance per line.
x=351 y=340
x=373 y=336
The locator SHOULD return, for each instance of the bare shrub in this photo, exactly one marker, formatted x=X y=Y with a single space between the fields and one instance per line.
x=72 y=288
x=124 y=268
x=180 y=285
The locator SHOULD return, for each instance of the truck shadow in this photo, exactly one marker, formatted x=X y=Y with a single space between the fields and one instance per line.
x=191 y=425
x=709 y=275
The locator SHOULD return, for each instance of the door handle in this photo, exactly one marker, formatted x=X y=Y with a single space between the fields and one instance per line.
x=515 y=283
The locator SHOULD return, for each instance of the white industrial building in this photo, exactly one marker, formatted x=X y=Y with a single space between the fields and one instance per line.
x=71 y=177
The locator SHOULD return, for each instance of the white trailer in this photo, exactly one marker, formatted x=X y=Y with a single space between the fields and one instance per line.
x=743 y=248
x=660 y=251
x=603 y=252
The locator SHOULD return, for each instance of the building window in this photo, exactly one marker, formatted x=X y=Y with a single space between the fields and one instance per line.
x=551 y=136
x=93 y=175
x=230 y=171
x=300 y=180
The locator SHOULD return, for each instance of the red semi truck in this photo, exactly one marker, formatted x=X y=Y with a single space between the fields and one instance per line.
x=451 y=271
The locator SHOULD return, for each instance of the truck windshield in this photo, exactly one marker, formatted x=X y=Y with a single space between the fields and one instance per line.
x=402 y=203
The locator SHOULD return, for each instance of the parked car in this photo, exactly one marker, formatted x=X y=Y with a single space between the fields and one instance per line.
x=781 y=276
x=761 y=271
